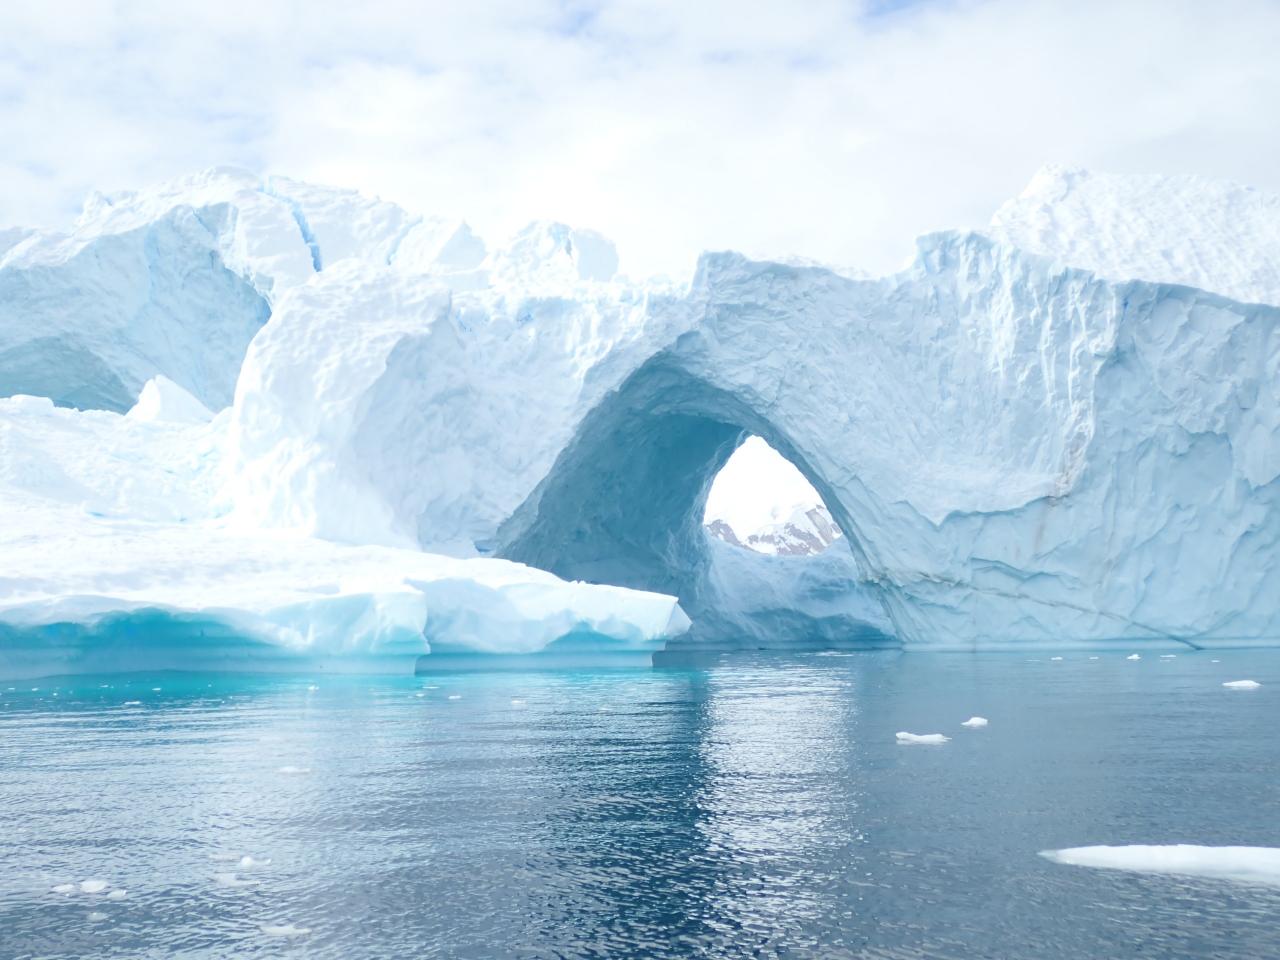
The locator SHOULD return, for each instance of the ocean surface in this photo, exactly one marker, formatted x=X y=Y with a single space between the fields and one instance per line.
x=755 y=808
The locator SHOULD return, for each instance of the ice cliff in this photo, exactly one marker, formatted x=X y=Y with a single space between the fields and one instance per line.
x=1064 y=427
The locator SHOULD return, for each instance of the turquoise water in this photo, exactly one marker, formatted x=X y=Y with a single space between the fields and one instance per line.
x=757 y=808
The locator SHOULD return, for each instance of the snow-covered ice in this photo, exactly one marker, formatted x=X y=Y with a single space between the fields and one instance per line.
x=1134 y=656
x=975 y=722
x=1242 y=684
x=1242 y=864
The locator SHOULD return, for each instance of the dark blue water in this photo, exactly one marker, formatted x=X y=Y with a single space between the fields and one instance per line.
x=760 y=808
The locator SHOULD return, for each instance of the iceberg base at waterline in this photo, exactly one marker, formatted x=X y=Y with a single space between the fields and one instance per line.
x=103 y=597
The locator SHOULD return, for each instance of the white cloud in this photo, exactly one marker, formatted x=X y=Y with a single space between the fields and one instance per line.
x=818 y=129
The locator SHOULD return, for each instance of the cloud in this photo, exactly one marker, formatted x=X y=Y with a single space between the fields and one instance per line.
x=832 y=130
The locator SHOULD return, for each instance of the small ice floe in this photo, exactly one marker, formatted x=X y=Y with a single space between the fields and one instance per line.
x=1055 y=658
x=975 y=722
x=232 y=880
x=1134 y=656
x=518 y=701
x=155 y=689
x=1241 y=864
x=132 y=703
x=93 y=886
x=97 y=916
x=293 y=771
x=1168 y=656
x=419 y=696
x=455 y=696
x=249 y=863
x=930 y=738
x=117 y=894
x=1242 y=684
x=1215 y=661
x=64 y=888
x=313 y=688
x=1093 y=658
x=284 y=930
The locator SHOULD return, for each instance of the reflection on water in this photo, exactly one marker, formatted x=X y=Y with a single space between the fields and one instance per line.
x=760 y=807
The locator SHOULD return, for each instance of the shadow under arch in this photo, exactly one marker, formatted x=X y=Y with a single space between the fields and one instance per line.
x=624 y=502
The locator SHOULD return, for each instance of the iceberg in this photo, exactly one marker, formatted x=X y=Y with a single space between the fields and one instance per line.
x=1019 y=449
x=113 y=558
x=316 y=423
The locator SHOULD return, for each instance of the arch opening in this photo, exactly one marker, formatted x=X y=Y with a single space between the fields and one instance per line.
x=759 y=501
x=625 y=502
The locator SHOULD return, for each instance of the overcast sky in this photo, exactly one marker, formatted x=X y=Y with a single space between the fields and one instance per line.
x=832 y=130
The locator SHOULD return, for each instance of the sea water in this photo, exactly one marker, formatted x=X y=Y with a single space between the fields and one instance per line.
x=757 y=807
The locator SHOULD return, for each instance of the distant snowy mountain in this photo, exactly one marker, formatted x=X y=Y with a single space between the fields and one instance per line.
x=760 y=501
x=804 y=534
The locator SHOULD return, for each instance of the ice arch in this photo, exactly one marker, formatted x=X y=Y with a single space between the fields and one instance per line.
x=624 y=503
x=1018 y=451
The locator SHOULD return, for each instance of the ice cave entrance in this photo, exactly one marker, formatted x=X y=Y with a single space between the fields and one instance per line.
x=759 y=501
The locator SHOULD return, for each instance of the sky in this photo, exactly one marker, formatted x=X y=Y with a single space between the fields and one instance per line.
x=836 y=131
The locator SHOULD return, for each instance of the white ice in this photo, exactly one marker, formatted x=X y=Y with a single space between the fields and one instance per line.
x=1242 y=684
x=975 y=722
x=926 y=738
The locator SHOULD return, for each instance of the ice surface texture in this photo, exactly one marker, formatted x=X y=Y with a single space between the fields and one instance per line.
x=1063 y=428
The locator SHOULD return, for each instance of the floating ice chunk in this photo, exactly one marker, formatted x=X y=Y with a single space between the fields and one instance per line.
x=117 y=894
x=904 y=737
x=455 y=696
x=1242 y=864
x=1055 y=658
x=293 y=771
x=156 y=689
x=284 y=930
x=518 y=701
x=64 y=888
x=1215 y=661
x=1134 y=656
x=97 y=916
x=419 y=695
x=1093 y=658
x=1168 y=656
x=248 y=863
x=313 y=688
x=93 y=886
x=975 y=722
x=231 y=880
x=1242 y=684
x=132 y=703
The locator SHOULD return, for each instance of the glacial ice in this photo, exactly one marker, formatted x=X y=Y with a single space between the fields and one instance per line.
x=1241 y=864
x=112 y=557
x=1062 y=428
x=990 y=427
